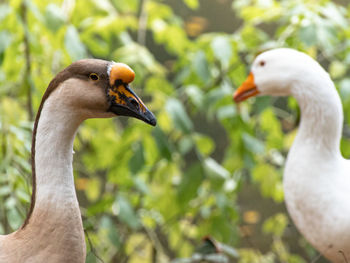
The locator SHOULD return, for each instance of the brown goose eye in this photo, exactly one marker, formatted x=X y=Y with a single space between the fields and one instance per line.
x=262 y=63
x=94 y=76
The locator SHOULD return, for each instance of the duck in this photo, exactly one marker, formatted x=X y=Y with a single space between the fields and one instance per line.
x=316 y=179
x=53 y=230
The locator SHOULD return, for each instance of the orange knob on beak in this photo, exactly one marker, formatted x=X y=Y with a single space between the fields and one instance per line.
x=246 y=90
x=122 y=100
x=123 y=72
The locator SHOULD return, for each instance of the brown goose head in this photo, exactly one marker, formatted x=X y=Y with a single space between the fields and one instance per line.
x=99 y=89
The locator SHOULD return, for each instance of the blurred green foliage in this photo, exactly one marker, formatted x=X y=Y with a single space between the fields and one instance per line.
x=150 y=194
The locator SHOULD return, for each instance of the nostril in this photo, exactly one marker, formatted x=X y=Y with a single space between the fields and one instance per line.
x=134 y=103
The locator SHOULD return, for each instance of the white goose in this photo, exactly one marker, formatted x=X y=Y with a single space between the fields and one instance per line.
x=316 y=177
x=53 y=230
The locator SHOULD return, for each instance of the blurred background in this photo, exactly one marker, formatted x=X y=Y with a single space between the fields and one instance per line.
x=210 y=169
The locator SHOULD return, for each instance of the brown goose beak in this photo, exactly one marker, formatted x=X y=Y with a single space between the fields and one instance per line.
x=123 y=101
x=246 y=90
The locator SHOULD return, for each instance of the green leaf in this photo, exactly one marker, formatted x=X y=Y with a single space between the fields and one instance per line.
x=137 y=161
x=74 y=46
x=92 y=190
x=201 y=66
x=10 y=203
x=126 y=213
x=141 y=57
x=141 y=185
x=125 y=6
x=5 y=190
x=269 y=180
x=337 y=69
x=5 y=9
x=228 y=250
x=195 y=94
x=272 y=127
x=226 y=112
x=189 y=184
x=5 y=41
x=252 y=144
x=54 y=17
x=179 y=116
x=154 y=83
x=337 y=14
x=345 y=88
x=34 y=10
x=164 y=147
x=14 y=218
x=215 y=170
x=193 y=4
x=113 y=234
x=276 y=225
x=185 y=144
x=308 y=35
x=204 y=143
x=222 y=49
x=22 y=195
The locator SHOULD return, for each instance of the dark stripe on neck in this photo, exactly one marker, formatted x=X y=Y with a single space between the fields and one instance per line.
x=62 y=76
x=79 y=69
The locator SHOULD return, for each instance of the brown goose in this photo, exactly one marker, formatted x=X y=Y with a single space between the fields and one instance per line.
x=90 y=88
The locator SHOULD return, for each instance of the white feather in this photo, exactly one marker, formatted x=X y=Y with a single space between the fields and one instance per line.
x=316 y=177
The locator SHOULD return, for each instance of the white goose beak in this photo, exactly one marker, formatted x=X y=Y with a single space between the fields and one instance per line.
x=246 y=90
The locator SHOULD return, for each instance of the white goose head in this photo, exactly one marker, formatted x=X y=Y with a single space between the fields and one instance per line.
x=276 y=72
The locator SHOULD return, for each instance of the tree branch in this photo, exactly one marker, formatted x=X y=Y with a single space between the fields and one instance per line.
x=28 y=69
x=141 y=34
x=92 y=248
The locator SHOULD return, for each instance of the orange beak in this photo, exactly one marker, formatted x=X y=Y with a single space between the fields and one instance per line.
x=246 y=90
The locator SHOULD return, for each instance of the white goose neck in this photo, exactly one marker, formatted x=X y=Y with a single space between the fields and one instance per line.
x=321 y=112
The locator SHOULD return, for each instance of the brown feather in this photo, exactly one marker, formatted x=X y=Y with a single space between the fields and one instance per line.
x=79 y=69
